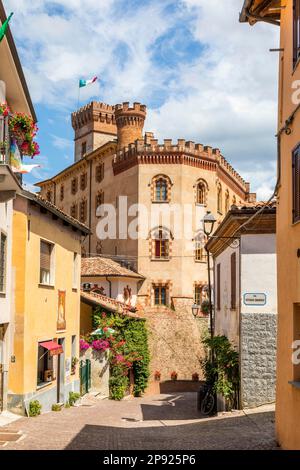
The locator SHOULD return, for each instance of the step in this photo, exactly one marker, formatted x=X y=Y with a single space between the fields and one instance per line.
x=9 y=436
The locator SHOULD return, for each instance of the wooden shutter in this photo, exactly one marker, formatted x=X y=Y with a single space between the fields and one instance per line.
x=218 y=286
x=233 y=281
x=296 y=185
x=45 y=256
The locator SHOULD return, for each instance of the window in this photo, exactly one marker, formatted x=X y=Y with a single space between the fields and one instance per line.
x=46 y=250
x=198 y=295
x=219 y=197
x=75 y=270
x=296 y=328
x=83 y=149
x=296 y=32
x=161 y=190
x=74 y=211
x=45 y=369
x=296 y=185
x=74 y=185
x=201 y=193
x=233 y=281
x=3 y=248
x=234 y=201
x=161 y=245
x=218 y=287
x=99 y=200
x=226 y=201
x=99 y=172
x=83 y=210
x=160 y=295
x=199 y=251
x=83 y=181
x=49 y=196
x=62 y=192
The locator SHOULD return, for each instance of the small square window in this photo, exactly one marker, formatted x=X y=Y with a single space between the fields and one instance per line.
x=46 y=269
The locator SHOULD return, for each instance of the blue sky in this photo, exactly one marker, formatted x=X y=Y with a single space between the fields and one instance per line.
x=202 y=75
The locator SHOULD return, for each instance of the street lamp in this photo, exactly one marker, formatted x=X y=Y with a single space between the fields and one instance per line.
x=208 y=227
x=195 y=309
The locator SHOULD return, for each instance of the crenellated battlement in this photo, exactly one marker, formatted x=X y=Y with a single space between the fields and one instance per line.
x=130 y=122
x=148 y=150
x=136 y=108
x=93 y=112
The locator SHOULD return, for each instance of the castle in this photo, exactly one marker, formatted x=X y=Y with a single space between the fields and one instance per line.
x=178 y=182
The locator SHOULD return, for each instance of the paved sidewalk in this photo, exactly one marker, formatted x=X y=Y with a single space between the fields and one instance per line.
x=167 y=422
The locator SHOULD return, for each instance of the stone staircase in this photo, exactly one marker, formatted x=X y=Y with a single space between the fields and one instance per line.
x=8 y=435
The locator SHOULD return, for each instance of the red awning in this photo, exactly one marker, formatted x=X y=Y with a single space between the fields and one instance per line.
x=53 y=347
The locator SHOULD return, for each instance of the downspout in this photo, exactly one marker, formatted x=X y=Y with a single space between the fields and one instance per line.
x=90 y=207
x=109 y=283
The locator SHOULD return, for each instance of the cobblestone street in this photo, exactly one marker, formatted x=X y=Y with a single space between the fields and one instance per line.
x=167 y=422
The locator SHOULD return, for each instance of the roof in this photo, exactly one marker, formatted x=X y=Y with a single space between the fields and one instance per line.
x=105 y=267
x=14 y=53
x=109 y=304
x=37 y=199
x=255 y=218
x=254 y=11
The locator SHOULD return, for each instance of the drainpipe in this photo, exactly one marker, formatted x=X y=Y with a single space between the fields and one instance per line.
x=90 y=206
x=109 y=282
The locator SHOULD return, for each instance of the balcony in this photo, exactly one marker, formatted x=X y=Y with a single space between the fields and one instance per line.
x=9 y=183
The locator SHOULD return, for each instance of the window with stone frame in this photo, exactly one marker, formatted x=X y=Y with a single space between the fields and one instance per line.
x=83 y=210
x=219 y=198
x=201 y=193
x=62 y=192
x=74 y=211
x=160 y=294
x=74 y=185
x=49 y=196
x=200 y=253
x=161 y=244
x=99 y=200
x=83 y=181
x=83 y=149
x=161 y=189
x=226 y=201
x=99 y=172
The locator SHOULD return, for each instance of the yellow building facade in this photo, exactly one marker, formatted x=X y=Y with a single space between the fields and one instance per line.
x=286 y=14
x=46 y=304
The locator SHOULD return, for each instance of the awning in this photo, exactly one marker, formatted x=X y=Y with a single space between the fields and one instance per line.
x=53 y=347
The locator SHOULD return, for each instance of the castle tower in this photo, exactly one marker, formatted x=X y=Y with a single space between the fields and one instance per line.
x=130 y=123
x=94 y=125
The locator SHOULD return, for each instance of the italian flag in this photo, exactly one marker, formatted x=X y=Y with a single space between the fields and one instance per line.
x=4 y=27
x=83 y=83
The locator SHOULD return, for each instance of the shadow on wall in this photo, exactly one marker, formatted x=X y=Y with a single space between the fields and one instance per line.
x=238 y=433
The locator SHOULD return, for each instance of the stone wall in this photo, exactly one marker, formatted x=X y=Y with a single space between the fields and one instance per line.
x=99 y=371
x=175 y=343
x=258 y=358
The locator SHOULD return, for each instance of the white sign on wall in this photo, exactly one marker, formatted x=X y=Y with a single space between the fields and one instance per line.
x=255 y=299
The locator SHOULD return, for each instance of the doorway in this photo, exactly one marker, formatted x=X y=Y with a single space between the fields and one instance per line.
x=61 y=373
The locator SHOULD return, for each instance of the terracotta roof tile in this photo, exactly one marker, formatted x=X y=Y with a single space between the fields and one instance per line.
x=110 y=304
x=100 y=266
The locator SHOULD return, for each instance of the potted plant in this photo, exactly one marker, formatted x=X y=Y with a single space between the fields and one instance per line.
x=195 y=377
x=74 y=362
x=205 y=307
x=174 y=375
x=23 y=129
x=157 y=375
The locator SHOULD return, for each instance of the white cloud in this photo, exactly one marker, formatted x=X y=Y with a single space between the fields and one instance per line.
x=225 y=98
x=61 y=143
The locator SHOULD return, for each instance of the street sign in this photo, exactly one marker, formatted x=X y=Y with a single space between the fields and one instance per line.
x=255 y=299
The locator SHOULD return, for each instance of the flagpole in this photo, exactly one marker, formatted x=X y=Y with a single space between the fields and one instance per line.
x=78 y=97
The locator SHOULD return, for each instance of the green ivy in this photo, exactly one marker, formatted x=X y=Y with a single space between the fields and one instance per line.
x=133 y=333
x=221 y=367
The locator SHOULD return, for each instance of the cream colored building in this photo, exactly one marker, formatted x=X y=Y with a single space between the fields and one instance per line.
x=14 y=91
x=116 y=164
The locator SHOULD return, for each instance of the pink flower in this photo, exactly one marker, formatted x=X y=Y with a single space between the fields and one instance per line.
x=100 y=345
x=83 y=345
x=120 y=358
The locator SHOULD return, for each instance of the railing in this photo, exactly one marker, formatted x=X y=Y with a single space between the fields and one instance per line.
x=4 y=141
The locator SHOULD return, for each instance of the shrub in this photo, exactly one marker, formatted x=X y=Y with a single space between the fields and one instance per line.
x=56 y=407
x=118 y=384
x=34 y=408
x=73 y=398
x=67 y=405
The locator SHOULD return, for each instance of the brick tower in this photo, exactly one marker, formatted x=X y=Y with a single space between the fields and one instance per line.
x=130 y=123
x=94 y=125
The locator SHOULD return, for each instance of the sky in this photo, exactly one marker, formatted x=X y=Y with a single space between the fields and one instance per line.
x=203 y=76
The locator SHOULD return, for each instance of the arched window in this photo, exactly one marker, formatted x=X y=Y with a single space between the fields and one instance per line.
x=219 y=198
x=74 y=211
x=160 y=239
x=201 y=192
x=49 y=196
x=227 y=201
x=83 y=210
x=99 y=200
x=161 y=189
x=200 y=240
x=62 y=192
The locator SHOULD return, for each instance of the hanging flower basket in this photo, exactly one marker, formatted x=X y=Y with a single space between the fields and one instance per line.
x=23 y=129
x=4 y=109
x=157 y=376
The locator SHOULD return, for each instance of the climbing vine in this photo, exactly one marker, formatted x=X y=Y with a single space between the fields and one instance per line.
x=127 y=341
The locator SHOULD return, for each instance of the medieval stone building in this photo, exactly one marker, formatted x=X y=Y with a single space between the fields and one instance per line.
x=117 y=165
